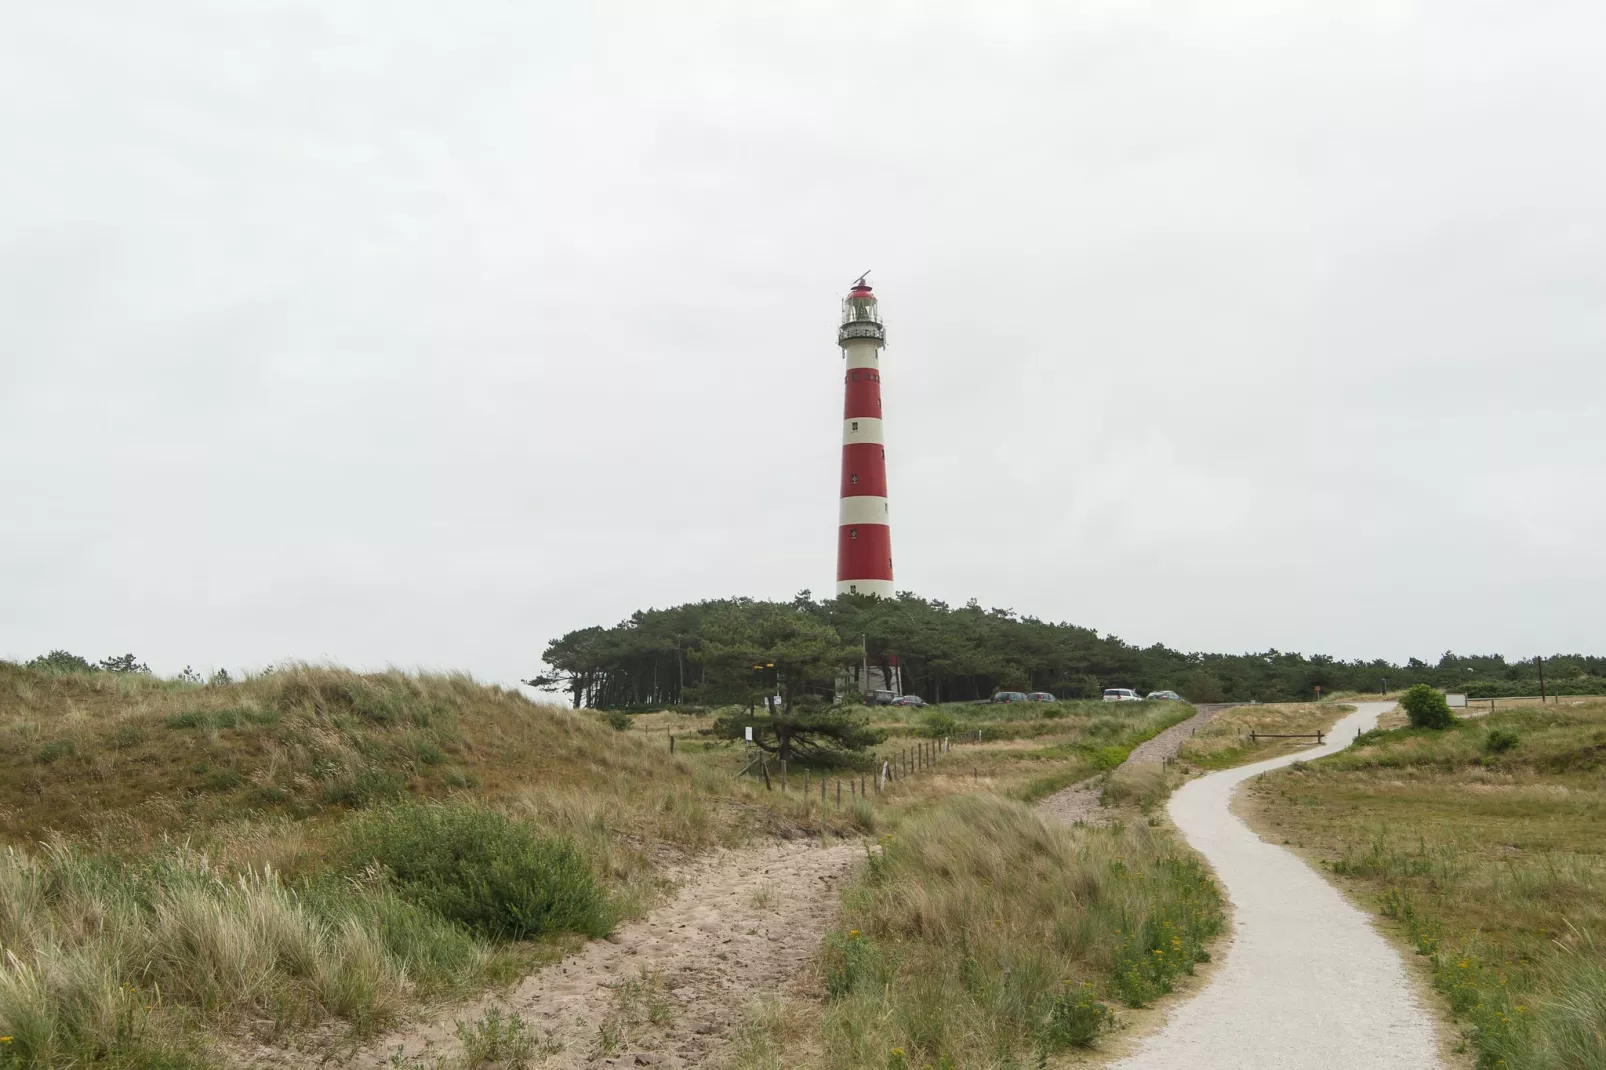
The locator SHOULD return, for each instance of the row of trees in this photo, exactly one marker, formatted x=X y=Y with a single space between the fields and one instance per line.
x=67 y=661
x=738 y=650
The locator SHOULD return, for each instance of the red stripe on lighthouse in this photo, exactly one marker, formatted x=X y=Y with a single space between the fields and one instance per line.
x=864 y=552
x=864 y=469
x=863 y=394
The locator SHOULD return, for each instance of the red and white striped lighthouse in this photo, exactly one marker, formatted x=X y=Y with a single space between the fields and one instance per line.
x=864 y=534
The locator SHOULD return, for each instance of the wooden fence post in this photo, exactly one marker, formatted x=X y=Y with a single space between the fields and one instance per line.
x=783 y=776
x=671 y=743
x=839 y=791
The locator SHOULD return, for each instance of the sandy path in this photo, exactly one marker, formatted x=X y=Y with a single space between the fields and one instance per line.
x=743 y=924
x=1307 y=984
x=1080 y=802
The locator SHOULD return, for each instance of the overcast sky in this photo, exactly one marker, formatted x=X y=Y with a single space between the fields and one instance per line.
x=419 y=334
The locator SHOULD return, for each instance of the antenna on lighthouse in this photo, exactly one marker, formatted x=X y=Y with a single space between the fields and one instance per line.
x=860 y=280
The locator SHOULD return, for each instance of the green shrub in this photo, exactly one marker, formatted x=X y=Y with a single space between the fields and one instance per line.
x=940 y=723
x=1500 y=740
x=1075 y=1018
x=1425 y=706
x=481 y=869
x=61 y=661
x=619 y=719
x=50 y=750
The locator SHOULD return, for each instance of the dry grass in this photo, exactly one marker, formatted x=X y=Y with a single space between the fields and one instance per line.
x=1492 y=864
x=155 y=756
x=1226 y=741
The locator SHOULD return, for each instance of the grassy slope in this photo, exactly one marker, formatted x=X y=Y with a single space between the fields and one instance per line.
x=194 y=884
x=1493 y=865
x=79 y=750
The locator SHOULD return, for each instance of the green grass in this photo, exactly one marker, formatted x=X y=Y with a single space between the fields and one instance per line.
x=1102 y=746
x=981 y=935
x=1483 y=844
x=480 y=869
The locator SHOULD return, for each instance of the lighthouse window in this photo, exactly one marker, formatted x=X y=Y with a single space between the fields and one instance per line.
x=853 y=588
x=855 y=377
x=855 y=425
x=853 y=479
x=853 y=533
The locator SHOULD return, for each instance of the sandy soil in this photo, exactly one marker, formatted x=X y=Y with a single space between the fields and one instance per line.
x=668 y=989
x=1307 y=983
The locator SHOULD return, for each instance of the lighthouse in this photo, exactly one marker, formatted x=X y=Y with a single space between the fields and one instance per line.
x=864 y=534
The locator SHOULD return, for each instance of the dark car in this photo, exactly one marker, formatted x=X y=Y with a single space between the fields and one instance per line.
x=1041 y=696
x=880 y=698
x=908 y=700
x=1010 y=696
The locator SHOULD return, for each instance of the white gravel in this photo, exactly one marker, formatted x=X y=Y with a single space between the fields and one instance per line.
x=1307 y=984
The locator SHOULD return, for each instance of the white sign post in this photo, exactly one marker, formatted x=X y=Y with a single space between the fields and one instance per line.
x=1458 y=701
x=750 y=732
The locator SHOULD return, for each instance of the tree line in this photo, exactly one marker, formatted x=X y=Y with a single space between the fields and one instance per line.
x=739 y=650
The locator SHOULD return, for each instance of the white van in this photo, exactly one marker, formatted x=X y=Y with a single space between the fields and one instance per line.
x=1121 y=694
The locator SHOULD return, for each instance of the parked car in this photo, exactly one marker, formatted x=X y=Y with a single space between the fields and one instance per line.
x=907 y=700
x=1010 y=696
x=1121 y=694
x=1166 y=696
x=880 y=698
x=1041 y=696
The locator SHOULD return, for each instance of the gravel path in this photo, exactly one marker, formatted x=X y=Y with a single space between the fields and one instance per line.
x=1307 y=984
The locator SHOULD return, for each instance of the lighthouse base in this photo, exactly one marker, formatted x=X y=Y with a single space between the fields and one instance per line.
x=879 y=588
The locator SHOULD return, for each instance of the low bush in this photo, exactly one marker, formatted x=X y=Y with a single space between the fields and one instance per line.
x=1426 y=707
x=1500 y=740
x=939 y=723
x=481 y=869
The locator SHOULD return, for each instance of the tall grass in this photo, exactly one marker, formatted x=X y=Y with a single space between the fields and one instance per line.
x=980 y=934
x=113 y=961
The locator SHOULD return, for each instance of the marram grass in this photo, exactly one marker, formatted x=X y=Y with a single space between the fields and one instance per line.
x=981 y=935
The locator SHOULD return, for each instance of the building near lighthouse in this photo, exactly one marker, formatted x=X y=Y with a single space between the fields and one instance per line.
x=864 y=531
x=864 y=521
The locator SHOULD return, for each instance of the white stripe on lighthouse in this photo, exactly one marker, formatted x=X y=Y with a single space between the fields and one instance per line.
x=863 y=509
x=861 y=429
x=881 y=588
x=864 y=356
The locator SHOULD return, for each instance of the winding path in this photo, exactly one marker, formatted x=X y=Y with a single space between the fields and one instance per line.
x=1307 y=984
